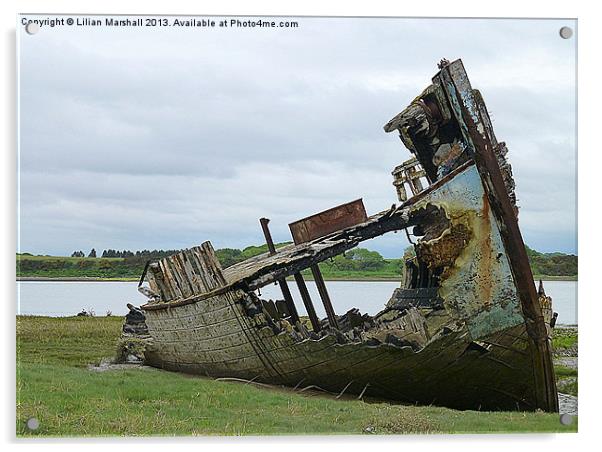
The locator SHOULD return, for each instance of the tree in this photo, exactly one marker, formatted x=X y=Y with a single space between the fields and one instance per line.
x=229 y=256
x=365 y=259
x=92 y=253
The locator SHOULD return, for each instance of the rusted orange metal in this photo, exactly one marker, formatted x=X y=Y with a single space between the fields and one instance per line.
x=328 y=221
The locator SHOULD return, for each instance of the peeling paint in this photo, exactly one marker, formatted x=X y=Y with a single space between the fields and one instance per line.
x=479 y=287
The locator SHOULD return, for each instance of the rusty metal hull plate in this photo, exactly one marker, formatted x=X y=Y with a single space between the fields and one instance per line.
x=328 y=221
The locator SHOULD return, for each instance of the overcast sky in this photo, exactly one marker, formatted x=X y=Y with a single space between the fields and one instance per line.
x=166 y=137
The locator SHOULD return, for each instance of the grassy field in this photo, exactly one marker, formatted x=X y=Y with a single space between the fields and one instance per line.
x=55 y=386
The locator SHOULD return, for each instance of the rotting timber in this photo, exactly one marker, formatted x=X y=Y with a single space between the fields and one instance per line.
x=466 y=328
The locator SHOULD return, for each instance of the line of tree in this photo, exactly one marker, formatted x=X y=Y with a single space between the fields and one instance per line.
x=227 y=256
x=358 y=259
x=557 y=264
x=148 y=254
x=117 y=253
x=80 y=253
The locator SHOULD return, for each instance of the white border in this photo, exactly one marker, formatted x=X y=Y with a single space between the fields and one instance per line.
x=588 y=164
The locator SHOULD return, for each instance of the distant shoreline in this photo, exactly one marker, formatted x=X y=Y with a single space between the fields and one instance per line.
x=326 y=278
x=72 y=279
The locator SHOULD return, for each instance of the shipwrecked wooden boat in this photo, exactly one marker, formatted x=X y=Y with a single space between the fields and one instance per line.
x=466 y=329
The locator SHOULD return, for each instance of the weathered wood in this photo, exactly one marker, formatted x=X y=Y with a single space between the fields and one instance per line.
x=211 y=267
x=169 y=279
x=321 y=285
x=288 y=298
x=268 y=236
x=265 y=269
x=191 y=275
x=286 y=293
x=193 y=271
x=181 y=276
x=333 y=367
x=156 y=283
x=309 y=306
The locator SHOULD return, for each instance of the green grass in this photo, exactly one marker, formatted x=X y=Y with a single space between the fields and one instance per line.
x=54 y=385
x=568 y=386
x=566 y=380
x=66 y=341
x=564 y=338
x=563 y=371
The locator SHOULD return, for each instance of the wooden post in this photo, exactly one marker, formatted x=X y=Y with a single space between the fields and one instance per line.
x=309 y=307
x=332 y=317
x=268 y=236
x=286 y=293
x=290 y=304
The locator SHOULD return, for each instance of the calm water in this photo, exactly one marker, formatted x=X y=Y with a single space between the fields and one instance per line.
x=59 y=298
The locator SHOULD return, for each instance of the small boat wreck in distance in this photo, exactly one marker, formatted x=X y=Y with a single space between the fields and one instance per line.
x=466 y=329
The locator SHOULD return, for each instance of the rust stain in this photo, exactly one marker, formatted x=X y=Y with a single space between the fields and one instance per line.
x=485 y=263
x=328 y=221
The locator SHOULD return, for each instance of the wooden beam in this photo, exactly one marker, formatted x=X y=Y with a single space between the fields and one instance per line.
x=268 y=235
x=288 y=298
x=286 y=293
x=332 y=317
x=309 y=307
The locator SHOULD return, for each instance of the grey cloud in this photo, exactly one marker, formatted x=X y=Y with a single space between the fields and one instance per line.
x=146 y=139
